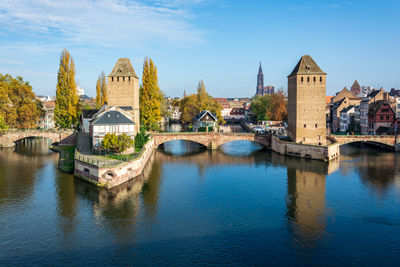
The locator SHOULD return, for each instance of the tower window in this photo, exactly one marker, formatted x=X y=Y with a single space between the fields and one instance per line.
x=316 y=125
x=129 y=78
x=314 y=79
x=117 y=79
x=305 y=125
x=123 y=79
x=112 y=79
x=308 y=79
x=302 y=79
x=320 y=79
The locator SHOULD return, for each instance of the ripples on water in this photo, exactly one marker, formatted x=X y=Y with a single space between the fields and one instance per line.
x=239 y=205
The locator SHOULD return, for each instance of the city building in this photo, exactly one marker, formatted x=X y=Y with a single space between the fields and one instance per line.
x=346 y=118
x=261 y=89
x=226 y=108
x=175 y=113
x=47 y=120
x=380 y=115
x=79 y=90
x=110 y=119
x=123 y=89
x=86 y=117
x=355 y=88
x=307 y=103
x=204 y=121
x=338 y=106
x=373 y=96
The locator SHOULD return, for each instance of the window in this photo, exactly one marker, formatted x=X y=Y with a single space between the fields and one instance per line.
x=112 y=79
x=319 y=137
x=305 y=125
x=314 y=79
x=304 y=139
x=129 y=78
x=320 y=79
x=117 y=79
x=303 y=79
x=308 y=79
x=387 y=117
x=381 y=117
x=123 y=79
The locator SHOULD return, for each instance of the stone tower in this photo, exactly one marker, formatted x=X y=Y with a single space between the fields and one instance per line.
x=260 y=81
x=355 y=88
x=123 y=89
x=306 y=103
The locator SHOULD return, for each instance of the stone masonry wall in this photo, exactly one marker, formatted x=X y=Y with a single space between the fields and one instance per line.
x=9 y=138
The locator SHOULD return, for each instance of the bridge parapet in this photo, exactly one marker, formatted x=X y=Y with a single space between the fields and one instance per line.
x=8 y=138
x=211 y=140
x=389 y=140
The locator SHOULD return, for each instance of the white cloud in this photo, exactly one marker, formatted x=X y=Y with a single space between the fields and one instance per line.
x=99 y=23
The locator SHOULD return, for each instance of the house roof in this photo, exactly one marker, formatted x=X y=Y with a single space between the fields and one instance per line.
x=342 y=94
x=126 y=108
x=347 y=108
x=123 y=67
x=375 y=106
x=204 y=112
x=373 y=93
x=328 y=99
x=112 y=117
x=307 y=65
x=223 y=101
x=88 y=113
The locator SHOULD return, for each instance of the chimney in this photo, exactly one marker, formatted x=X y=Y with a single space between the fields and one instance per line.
x=386 y=97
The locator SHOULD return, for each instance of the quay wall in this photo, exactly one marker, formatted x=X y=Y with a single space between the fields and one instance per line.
x=111 y=176
x=286 y=148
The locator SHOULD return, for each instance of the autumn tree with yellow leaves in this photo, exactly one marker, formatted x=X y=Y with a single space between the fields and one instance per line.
x=101 y=90
x=195 y=103
x=150 y=97
x=18 y=105
x=67 y=99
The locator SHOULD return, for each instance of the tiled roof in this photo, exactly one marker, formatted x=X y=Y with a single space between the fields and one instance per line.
x=307 y=65
x=373 y=93
x=223 y=101
x=123 y=67
x=112 y=117
x=328 y=99
x=348 y=108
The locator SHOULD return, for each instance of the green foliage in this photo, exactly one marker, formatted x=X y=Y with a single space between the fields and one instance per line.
x=117 y=143
x=269 y=107
x=141 y=138
x=193 y=104
x=67 y=101
x=18 y=105
x=150 y=96
x=3 y=125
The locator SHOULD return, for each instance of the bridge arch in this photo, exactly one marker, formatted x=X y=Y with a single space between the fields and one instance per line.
x=9 y=138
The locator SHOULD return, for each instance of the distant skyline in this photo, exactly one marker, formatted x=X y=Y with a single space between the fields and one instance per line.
x=220 y=42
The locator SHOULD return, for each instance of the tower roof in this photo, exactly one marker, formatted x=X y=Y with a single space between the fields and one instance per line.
x=123 y=68
x=307 y=65
x=260 y=69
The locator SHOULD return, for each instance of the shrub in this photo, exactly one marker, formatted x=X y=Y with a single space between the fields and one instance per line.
x=117 y=143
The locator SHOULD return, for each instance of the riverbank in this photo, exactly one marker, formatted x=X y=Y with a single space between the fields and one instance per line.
x=110 y=173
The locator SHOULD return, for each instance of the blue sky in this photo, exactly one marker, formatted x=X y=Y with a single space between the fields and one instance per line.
x=220 y=42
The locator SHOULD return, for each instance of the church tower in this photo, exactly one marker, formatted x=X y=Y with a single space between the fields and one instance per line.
x=123 y=89
x=260 y=81
x=306 y=103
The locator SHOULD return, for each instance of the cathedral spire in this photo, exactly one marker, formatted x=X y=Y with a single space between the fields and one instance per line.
x=260 y=69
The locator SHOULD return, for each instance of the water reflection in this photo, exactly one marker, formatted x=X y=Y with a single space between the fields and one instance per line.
x=306 y=191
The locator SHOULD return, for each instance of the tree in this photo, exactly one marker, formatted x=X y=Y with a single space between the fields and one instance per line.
x=18 y=105
x=141 y=138
x=150 y=96
x=66 y=109
x=117 y=143
x=193 y=104
x=98 y=93
x=270 y=107
x=104 y=94
x=3 y=125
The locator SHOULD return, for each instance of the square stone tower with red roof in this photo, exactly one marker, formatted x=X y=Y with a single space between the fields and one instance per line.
x=306 y=103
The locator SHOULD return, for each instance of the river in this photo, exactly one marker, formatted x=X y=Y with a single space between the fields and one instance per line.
x=240 y=205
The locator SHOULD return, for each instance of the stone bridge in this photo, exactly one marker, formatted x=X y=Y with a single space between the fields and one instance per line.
x=211 y=140
x=387 y=140
x=8 y=138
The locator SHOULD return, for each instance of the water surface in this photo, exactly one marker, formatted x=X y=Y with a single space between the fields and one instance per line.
x=240 y=205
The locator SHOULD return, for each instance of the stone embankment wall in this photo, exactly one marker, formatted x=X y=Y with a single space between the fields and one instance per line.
x=111 y=176
x=286 y=148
